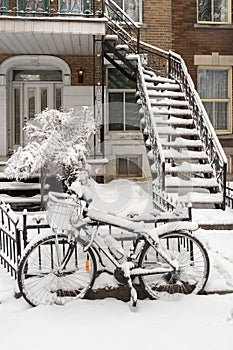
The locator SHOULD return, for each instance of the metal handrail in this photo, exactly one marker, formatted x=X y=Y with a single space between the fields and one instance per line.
x=172 y=65
x=122 y=25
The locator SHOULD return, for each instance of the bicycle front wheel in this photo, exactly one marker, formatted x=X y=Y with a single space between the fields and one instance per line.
x=41 y=278
x=192 y=259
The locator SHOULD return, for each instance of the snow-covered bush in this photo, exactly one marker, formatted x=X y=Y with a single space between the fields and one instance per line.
x=54 y=139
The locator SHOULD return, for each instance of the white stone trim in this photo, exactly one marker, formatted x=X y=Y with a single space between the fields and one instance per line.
x=213 y=60
x=35 y=61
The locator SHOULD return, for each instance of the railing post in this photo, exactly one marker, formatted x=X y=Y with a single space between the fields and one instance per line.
x=25 y=242
x=169 y=65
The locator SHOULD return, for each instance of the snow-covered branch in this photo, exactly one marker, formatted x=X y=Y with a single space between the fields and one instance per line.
x=57 y=138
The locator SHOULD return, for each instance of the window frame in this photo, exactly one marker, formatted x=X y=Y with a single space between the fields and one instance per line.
x=213 y=100
x=213 y=22
x=124 y=91
x=140 y=6
x=127 y=158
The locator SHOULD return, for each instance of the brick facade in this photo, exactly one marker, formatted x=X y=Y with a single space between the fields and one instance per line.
x=190 y=39
x=157 y=21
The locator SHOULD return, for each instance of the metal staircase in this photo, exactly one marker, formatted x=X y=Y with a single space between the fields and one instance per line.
x=187 y=162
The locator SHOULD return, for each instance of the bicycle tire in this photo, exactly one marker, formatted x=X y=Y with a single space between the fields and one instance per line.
x=40 y=280
x=193 y=262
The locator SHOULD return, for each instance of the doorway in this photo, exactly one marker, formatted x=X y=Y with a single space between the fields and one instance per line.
x=31 y=94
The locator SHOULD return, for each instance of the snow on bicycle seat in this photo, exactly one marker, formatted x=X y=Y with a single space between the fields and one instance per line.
x=112 y=219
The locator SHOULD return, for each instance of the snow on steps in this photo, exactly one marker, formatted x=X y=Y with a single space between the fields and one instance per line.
x=181 y=155
x=181 y=142
x=192 y=176
x=171 y=111
x=173 y=121
x=167 y=102
x=192 y=182
x=169 y=130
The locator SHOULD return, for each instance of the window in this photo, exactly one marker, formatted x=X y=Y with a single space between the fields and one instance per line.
x=133 y=8
x=122 y=108
x=215 y=92
x=214 y=11
x=129 y=166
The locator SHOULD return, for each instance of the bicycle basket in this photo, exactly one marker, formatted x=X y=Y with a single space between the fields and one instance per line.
x=62 y=211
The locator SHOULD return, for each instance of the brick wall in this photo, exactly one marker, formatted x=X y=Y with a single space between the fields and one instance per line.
x=157 y=23
x=189 y=39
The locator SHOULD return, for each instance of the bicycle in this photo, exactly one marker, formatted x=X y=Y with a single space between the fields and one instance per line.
x=62 y=265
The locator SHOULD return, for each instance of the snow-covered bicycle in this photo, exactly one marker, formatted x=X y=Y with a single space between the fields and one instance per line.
x=62 y=265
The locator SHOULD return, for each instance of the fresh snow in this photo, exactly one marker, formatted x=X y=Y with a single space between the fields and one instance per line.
x=195 y=322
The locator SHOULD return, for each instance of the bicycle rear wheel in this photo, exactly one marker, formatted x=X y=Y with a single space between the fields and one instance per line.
x=192 y=260
x=42 y=281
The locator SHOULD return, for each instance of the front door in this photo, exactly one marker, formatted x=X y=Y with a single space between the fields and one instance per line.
x=30 y=98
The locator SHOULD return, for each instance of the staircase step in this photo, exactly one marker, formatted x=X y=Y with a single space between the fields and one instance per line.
x=161 y=86
x=182 y=143
x=184 y=155
x=166 y=93
x=174 y=181
x=186 y=167
x=111 y=39
x=169 y=130
x=173 y=121
x=171 y=111
x=201 y=198
x=168 y=102
x=157 y=79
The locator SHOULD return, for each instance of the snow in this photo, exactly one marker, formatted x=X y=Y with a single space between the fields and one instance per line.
x=198 y=322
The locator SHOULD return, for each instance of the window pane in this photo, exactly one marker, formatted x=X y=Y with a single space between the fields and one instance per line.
x=204 y=10
x=132 y=9
x=122 y=167
x=31 y=102
x=221 y=116
x=209 y=109
x=117 y=80
x=17 y=116
x=134 y=167
x=213 y=83
x=43 y=98
x=116 y=114
x=213 y=10
x=129 y=166
x=58 y=98
x=132 y=120
x=220 y=11
x=37 y=75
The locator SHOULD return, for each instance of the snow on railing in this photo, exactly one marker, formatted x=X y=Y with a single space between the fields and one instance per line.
x=149 y=128
x=213 y=148
x=170 y=64
x=10 y=239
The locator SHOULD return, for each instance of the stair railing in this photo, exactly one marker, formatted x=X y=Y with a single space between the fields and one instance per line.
x=169 y=64
x=122 y=25
x=214 y=150
x=149 y=128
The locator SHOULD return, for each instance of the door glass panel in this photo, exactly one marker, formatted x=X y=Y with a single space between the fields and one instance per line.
x=37 y=75
x=16 y=135
x=58 y=98
x=31 y=102
x=116 y=113
x=43 y=98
